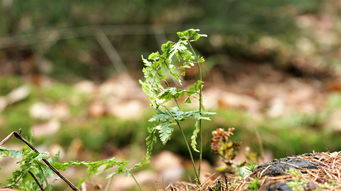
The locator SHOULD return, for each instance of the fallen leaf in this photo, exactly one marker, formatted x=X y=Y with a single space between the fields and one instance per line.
x=45 y=129
x=18 y=94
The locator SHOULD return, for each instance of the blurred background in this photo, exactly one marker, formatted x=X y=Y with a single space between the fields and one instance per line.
x=69 y=75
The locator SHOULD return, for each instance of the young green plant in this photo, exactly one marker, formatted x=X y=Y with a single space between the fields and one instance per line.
x=163 y=83
x=35 y=167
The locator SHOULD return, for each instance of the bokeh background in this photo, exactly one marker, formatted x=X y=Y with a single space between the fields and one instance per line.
x=69 y=75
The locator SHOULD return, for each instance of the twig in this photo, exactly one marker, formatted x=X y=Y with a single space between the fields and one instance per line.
x=36 y=180
x=21 y=138
x=6 y=138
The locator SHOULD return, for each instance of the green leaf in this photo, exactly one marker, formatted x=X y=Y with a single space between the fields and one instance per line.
x=188 y=100
x=150 y=142
x=93 y=167
x=165 y=131
x=191 y=35
x=30 y=162
x=170 y=93
x=10 y=152
x=197 y=86
x=146 y=62
x=254 y=184
x=194 y=136
x=154 y=56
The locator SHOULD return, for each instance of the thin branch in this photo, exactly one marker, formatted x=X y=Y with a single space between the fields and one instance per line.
x=6 y=138
x=36 y=180
x=21 y=138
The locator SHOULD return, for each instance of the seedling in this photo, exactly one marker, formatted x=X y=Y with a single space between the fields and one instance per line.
x=163 y=83
x=160 y=69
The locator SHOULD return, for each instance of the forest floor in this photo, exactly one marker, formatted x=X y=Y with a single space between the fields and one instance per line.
x=91 y=121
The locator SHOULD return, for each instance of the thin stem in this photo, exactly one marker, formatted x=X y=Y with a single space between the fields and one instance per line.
x=107 y=187
x=200 y=121
x=136 y=182
x=42 y=172
x=36 y=180
x=187 y=145
x=21 y=138
x=177 y=103
x=200 y=109
x=190 y=151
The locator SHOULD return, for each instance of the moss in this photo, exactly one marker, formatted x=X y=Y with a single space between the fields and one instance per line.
x=8 y=83
x=304 y=133
x=17 y=117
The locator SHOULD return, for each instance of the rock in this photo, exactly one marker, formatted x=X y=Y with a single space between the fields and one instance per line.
x=86 y=87
x=45 y=129
x=169 y=166
x=279 y=186
x=279 y=166
x=46 y=111
x=18 y=94
x=123 y=183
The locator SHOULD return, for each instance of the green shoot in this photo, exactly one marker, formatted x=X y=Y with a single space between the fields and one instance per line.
x=169 y=67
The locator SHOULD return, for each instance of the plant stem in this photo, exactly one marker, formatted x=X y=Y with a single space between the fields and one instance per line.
x=200 y=122
x=36 y=180
x=190 y=152
x=200 y=110
x=107 y=187
x=136 y=182
x=187 y=145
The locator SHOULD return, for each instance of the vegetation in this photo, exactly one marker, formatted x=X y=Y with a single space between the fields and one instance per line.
x=159 y=69
x=268 y=71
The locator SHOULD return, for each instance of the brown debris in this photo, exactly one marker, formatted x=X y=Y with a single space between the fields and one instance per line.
x=322 y=173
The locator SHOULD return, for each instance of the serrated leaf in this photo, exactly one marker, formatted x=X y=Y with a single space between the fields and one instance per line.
x=93 y=167
x=146 y=62
x=170 y=93
x=165 y=131
x=150 y=142
x=194 y=136
x=10 y=152
x=154 y=56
